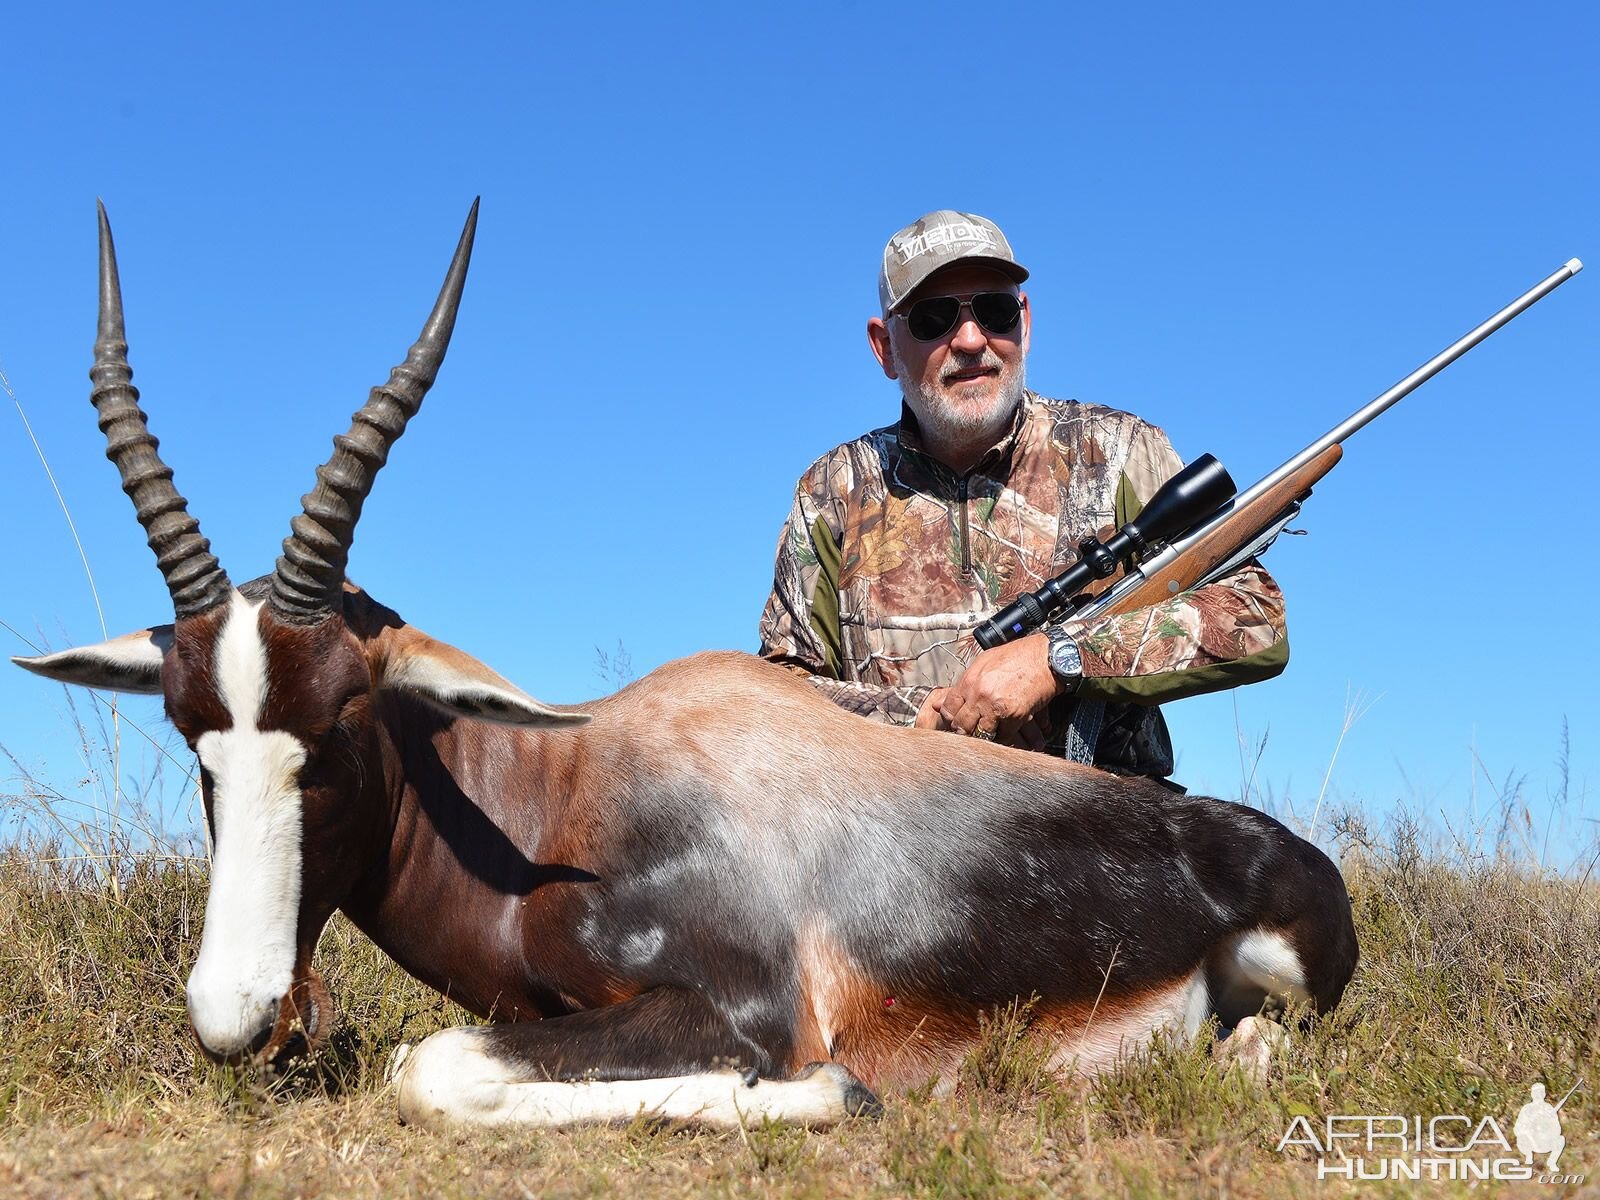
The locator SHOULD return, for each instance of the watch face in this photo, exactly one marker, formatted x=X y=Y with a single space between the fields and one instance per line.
x=1065 y=660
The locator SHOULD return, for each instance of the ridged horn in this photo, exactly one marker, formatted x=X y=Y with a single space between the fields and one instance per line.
x=193 y=576
x=309 y=576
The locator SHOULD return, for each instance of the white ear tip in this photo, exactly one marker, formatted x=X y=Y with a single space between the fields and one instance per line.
x=554 y=716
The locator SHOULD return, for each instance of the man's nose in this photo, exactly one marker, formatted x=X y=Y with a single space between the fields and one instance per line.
x=969 y=337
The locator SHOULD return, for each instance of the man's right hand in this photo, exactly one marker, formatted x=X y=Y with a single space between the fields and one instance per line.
x=1026 y=734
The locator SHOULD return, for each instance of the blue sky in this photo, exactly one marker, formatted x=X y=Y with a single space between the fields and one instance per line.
x=1243 y=223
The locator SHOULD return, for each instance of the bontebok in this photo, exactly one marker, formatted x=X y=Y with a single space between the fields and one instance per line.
x=712 y=894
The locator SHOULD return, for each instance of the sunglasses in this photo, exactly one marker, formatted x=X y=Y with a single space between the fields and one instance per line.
x=930 y=319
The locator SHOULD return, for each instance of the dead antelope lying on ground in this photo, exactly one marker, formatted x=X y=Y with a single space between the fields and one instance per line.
x=709 y=895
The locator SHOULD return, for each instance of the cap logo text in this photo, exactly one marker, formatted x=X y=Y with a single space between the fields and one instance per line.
x=950 y=233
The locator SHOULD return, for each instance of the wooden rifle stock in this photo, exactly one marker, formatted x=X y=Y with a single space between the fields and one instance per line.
x=1217 y=545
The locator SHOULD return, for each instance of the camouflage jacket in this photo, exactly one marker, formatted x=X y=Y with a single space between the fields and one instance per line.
x=888 y=559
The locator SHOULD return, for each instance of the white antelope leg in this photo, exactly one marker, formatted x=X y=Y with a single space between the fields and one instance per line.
x=453 y=1078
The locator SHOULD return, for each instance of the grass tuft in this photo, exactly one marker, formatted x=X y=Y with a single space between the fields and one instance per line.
x=1011 y=1060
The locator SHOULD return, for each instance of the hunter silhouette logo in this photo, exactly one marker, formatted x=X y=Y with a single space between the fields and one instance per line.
x=1538 y=1126
x=1447 y=1146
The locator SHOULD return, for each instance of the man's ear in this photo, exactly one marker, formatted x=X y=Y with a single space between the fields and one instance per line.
x=878 y=338
x=131 y=663
x=461 y=685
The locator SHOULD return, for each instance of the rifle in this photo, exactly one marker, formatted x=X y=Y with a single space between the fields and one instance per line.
x=1198 y=527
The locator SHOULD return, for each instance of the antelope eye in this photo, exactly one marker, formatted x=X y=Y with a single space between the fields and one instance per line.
x=189 y=730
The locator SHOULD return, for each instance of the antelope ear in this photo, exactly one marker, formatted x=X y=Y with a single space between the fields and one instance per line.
x=131 y=663
x=462 y=686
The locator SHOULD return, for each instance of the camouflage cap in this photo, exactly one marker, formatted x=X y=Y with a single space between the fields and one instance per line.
x=936 y=241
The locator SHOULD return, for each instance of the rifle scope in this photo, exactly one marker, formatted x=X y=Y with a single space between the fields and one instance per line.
x=1190 y=496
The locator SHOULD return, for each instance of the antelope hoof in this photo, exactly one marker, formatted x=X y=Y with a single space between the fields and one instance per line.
x=1251 y=1046
x=859 y=1099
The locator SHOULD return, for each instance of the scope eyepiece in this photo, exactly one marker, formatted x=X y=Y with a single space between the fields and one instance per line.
x=1020 y=617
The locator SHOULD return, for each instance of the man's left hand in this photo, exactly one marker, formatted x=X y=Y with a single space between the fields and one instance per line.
x=1003 y=690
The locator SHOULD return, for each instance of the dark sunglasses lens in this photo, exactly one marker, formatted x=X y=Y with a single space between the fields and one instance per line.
x=932 y=318
x=997 y=311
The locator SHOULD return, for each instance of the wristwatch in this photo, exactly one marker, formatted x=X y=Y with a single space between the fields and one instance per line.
x=1065 y=661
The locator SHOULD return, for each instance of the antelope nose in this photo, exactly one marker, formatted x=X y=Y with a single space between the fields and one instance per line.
x=232 y=1023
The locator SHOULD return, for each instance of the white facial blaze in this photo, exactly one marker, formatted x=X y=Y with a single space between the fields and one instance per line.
x=247 y=949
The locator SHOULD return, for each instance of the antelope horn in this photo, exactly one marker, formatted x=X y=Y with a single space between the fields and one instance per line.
x=309 y=576
x=193 y=575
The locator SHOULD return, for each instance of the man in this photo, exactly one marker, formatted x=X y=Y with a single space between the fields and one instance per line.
x=902 y=540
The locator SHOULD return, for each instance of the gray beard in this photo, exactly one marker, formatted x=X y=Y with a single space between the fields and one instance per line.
x=942 y=423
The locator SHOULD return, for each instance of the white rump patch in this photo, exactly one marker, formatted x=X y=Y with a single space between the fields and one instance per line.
x=247 y=949
x=453 y=1079
x=1267 y=960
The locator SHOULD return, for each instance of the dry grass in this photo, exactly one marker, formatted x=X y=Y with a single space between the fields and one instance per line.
x=1477 y=978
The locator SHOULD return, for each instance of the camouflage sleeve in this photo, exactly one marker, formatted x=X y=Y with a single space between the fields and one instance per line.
x=794 y=630
x=888 y=705
x=1222 y=635
x=800 y=626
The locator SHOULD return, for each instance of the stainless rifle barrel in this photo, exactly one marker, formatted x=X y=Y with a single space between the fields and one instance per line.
x=1165 y=554
x=1414 y=380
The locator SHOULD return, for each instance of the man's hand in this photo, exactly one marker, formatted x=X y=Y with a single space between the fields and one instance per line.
x=1003 y=694
x=928 y=715
x=1029 y=735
